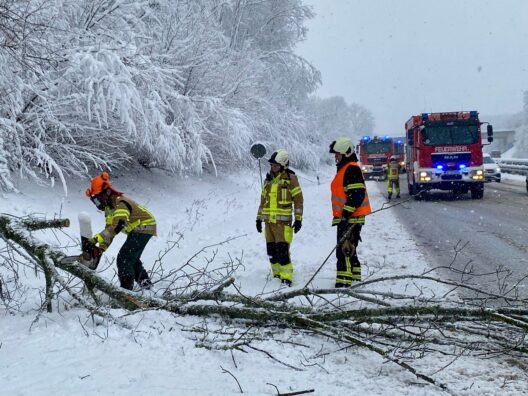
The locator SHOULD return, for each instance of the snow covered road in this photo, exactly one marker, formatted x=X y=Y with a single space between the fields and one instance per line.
x=489 y=233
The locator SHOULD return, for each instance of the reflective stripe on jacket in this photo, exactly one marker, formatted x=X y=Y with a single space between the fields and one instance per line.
x=126 y=216
x=279 y=195
x=340 y=194
x=393 y=171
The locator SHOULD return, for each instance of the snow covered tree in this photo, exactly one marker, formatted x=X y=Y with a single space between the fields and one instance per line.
x=332 y=117
x=181 y=85
x=521 y=134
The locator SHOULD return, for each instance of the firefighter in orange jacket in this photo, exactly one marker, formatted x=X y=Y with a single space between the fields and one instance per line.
x=281 y=190
x=122 y=214
x=350 y=205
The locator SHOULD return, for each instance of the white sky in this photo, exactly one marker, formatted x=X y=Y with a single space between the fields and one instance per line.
x=399 y=58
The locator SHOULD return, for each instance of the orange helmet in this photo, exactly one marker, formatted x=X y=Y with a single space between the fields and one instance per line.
x=99 y=184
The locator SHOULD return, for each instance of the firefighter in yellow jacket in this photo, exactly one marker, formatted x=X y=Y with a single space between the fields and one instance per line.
x=393 y=177
x=122 y=214
x=350 y=205
x=281 y=195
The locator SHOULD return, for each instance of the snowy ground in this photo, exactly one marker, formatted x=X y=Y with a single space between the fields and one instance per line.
x=66 y=353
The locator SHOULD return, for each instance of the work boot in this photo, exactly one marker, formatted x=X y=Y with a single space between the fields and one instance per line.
x=339 y=285
x=286 y=282
x=398 y=196
x=390 y=196
x=145 y=284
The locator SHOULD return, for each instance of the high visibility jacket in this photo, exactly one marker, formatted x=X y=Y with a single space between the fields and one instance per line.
x=340 y=193
x=279 y=195
x=125 y=215
x=393 y=170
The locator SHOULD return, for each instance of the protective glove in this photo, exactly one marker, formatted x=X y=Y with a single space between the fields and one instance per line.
x=259 y=225
x=297 y=224
x=348 y=247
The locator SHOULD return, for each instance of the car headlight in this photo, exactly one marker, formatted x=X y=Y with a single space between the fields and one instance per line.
x=497 y=170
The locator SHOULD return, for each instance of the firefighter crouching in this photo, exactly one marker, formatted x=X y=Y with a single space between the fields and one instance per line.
x=393 y=177
x=350 y=205
x=281 y=190
x=122 y=214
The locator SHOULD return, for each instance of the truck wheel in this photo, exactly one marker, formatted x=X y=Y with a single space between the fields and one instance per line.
x=477 y=192
x=417 y=191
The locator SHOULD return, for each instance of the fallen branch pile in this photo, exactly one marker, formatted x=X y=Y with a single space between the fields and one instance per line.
x=399 y=327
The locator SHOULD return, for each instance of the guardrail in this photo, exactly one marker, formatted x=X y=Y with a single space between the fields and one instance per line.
x=518 y=166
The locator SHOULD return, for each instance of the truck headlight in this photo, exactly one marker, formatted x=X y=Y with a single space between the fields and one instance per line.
x=497 y=170
x=425 y=176
x=479 y=172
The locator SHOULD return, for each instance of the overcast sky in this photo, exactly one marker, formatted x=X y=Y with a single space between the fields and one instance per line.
x=404 y=57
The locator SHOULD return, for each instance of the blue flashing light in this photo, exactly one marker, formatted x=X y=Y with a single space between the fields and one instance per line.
x=387 y=137
x=473 y=114
x=425 y=116
x=439 y=167
x=398 y=141
x=366 y=138
x=461 y=166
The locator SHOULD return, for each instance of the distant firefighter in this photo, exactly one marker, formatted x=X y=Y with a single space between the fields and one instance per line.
x=393 y=177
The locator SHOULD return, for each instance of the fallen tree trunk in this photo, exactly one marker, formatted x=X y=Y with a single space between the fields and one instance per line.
x=392 y=330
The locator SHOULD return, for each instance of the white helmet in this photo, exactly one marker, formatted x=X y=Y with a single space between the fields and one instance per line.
x=393 y=158
x=279 y=157
x=342 y=145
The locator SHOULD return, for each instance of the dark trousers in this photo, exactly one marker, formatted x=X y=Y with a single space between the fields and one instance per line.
x=129 y=265
x=348 y=267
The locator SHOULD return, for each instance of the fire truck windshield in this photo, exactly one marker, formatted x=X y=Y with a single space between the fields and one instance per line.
x=376 y=147
x=450 y=134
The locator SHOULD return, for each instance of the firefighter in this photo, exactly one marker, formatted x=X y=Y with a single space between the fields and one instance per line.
x=122 y=214
x=393 y=177
x=280 y=192
x=350 y=205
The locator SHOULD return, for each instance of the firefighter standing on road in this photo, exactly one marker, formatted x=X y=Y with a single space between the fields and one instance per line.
x=281 y=189
x=393 y=177
x=350 y=205
x=123 y=215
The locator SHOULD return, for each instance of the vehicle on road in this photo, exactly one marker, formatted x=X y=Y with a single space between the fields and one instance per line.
x=492 y=171
x=374 y=154
x=444 y=151
x=399 y=151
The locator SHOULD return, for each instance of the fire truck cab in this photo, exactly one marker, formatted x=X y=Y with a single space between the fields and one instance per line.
x=399 y=151
x=374 y=154
x=444 y=151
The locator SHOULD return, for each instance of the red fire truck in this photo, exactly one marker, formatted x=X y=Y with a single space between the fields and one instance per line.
x=444 y=151
x=399 y=151
x=374 y=153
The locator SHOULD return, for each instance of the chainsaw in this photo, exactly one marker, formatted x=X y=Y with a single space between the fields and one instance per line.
x=91 y=254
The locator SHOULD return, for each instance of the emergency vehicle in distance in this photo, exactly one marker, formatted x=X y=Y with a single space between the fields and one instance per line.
x=399 y=151
x=374 y=153
x=444 y=151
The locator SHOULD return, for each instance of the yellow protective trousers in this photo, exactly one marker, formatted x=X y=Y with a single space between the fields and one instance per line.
x=395 y=183
x=278 y=239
